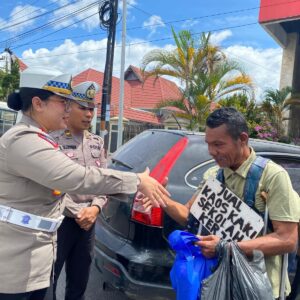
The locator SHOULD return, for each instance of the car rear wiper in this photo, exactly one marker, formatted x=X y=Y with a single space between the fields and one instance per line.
x=122 y=163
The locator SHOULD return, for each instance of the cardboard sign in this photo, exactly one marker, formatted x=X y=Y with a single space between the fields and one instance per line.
x=223 y=214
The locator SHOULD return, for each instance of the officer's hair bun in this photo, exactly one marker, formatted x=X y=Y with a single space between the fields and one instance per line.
x=14 y=101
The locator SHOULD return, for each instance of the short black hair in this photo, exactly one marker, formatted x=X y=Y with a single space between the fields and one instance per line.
x=232 y=118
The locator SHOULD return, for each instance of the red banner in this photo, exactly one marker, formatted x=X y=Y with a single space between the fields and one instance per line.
x=275 y=10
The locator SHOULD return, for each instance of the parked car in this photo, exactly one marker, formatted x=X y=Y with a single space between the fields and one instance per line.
x=132 y=251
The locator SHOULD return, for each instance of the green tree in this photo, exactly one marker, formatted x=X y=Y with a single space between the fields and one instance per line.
x=9 y=82
x=273 y=106
x=205 y=74
x=252 y=112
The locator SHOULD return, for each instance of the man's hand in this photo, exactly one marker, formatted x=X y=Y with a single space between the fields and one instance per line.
x=208 y=245
x=87 y=217
x=152 y=189
x=145 y=202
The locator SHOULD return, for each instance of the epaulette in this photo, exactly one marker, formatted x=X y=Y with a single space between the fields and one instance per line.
x=49 y=139
x=97 y=137
x=57 y=135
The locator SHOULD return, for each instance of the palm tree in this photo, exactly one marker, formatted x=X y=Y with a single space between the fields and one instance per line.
x=206 y=75
x=274 y=104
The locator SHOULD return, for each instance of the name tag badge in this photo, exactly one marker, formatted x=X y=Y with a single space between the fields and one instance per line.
x=70 y=154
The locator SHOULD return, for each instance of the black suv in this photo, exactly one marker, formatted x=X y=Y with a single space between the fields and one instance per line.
x=132 y=251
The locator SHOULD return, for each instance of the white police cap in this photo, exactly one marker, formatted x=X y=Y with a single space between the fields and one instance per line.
x=84 y=93
x=47 y=79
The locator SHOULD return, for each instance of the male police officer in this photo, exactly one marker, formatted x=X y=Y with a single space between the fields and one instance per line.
x=76 y=234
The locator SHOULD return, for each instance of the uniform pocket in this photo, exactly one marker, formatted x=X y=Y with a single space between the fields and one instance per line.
x=95 y=153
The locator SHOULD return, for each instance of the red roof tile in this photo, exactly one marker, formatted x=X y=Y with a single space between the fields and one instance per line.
x=137 y=94
x=22 y=65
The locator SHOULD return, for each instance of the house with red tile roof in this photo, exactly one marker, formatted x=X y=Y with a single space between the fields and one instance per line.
x=22 y=65
x=141 y=98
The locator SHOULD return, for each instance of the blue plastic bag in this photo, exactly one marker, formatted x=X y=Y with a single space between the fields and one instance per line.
x=190 y=266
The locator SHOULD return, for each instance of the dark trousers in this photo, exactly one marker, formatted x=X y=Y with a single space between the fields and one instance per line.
x=43 y=294
x=75 y=248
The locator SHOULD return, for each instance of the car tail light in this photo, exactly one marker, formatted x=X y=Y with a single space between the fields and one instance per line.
x=154 y=217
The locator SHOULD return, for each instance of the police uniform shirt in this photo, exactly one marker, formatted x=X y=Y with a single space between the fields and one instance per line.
x=31 y=168
x=282 y=202
x=87 y=150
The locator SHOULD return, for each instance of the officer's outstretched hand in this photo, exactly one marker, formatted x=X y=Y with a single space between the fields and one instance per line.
x=87 y=217
x=152 y=189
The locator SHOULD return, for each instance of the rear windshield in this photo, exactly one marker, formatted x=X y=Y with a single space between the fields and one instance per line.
x=145 y=150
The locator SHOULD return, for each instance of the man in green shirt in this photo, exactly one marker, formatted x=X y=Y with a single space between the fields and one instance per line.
x=227 y=140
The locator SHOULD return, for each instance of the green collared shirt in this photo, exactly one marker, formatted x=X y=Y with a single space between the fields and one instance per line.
x=283 y=203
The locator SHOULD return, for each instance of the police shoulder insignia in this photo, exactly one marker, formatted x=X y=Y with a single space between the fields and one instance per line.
x=49 y=139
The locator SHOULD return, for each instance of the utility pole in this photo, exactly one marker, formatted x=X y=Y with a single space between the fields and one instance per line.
x=108 y=14
x=9 y=60
x=121 y=99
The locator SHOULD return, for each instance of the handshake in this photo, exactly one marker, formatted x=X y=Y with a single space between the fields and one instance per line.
x=151 y=193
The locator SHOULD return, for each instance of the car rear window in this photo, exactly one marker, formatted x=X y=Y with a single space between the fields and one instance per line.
x=293 y=168
x=145 y=150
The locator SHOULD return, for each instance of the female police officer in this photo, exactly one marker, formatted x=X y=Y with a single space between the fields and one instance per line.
x=34 y=174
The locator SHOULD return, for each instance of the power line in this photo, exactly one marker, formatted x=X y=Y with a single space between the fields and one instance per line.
x=35 y=17
x=168 y=22
x=24 y=8
x=137 y=8
x=70 y=25
x=51 y=23
x=221 y=13
x=36 y=10
x=144 y=42
x=162 y=39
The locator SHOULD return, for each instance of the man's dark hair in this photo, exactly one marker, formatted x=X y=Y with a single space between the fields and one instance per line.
x=233 y=119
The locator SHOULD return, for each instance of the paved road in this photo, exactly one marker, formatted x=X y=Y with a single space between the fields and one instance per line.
x=94 y=289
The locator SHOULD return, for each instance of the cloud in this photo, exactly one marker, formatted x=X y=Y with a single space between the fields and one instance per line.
x=218 y=37
x=263 y=65
x=153 y=23
x=75 y=58
x=21 y=18
x=83 y=10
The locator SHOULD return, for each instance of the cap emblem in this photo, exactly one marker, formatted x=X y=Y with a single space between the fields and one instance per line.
x=91 y=92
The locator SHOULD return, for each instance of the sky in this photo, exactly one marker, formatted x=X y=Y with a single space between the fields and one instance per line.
x=65 y=34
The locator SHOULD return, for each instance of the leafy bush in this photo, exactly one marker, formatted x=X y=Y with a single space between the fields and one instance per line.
x=266 y=131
